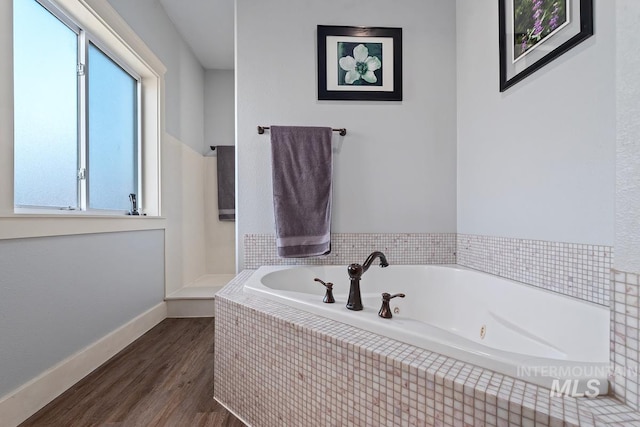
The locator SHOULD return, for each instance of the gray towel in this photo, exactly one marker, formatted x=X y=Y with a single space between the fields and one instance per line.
x=226 y=182
x=301 y=158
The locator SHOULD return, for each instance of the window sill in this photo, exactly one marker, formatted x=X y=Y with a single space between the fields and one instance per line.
x=52 y=212
x=28 y=225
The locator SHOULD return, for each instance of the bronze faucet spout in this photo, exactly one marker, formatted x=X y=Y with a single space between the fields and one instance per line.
x=377 y=254
x=355 y=274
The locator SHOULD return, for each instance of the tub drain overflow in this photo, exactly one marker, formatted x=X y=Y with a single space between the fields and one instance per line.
x=483 y=331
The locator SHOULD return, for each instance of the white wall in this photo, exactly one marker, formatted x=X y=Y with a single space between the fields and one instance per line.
x=191 y=100
x=172 y=210
x=184 y=207
x=219 y=107
x=395 y=169
x=537 y=161
x=184 y=80
x=627 y=250
x=193 y=222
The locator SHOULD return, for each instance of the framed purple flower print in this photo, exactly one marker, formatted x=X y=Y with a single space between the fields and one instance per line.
x=535 y=32
x=359 y=63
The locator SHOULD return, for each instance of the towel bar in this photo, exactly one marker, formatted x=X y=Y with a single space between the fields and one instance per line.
x=343 y=131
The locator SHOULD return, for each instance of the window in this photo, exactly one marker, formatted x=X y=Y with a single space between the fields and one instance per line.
x=112 y=133
x=77 y=120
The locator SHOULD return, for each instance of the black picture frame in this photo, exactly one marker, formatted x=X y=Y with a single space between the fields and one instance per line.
x=378 y=78
x=524 y=49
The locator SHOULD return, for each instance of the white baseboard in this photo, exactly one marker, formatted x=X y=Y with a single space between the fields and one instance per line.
x=29 y=398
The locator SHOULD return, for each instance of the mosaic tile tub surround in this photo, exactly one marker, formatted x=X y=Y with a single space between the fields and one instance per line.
x=577 y=270
x=347 y=248
x=625 y=347
x=279 y=366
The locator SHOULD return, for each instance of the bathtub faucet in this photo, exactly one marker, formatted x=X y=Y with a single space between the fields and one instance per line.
x=355 y=274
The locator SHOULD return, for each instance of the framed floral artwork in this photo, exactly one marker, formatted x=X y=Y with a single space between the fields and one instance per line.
x=535 y=32
x=359 y=63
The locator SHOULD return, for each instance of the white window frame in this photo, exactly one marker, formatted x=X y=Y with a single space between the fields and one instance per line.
x=83 y=165
x=85 y=38
x=98 y=18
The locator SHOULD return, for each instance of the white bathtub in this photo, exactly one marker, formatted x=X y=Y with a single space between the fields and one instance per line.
x=509 y=327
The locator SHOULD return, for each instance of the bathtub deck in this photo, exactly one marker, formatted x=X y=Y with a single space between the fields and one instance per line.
x=327 y=372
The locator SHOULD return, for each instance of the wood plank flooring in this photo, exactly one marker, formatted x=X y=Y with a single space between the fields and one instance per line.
x=165 y=378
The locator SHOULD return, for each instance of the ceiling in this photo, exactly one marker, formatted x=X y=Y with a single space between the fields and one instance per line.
x=207 y=26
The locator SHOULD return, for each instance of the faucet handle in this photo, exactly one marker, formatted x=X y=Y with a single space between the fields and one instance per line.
x=385 y=310
x=328 y=297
